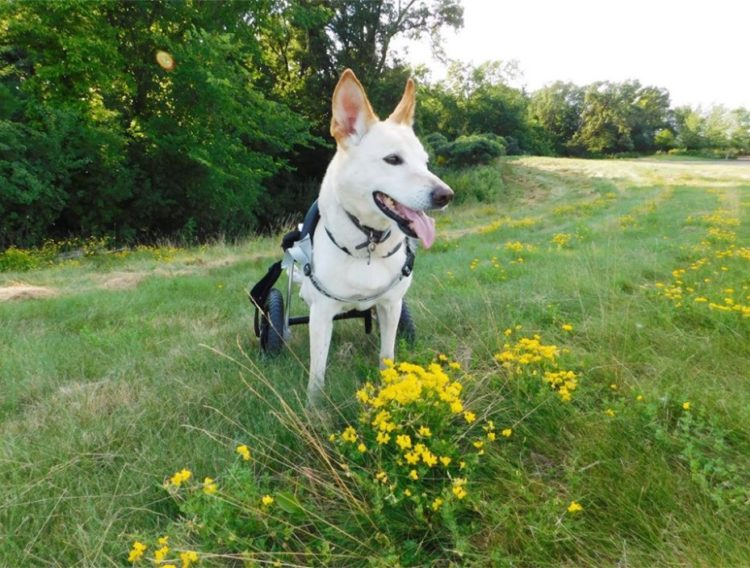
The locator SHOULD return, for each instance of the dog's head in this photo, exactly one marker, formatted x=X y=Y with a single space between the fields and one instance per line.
x=381 y=167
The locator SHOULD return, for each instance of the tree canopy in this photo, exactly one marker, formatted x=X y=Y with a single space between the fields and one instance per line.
x=98 y=137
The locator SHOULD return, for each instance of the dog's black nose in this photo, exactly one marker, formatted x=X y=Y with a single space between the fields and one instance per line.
x=441 y=196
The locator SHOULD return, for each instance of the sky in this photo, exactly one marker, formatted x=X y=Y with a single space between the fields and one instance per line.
x=698 y=50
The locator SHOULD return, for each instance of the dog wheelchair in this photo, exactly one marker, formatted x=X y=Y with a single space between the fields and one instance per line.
x=272 y=319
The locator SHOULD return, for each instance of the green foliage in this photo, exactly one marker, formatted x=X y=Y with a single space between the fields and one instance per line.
x=664 y=139
x=557 y=109
x=469 y=150
x=483 y=184
x=97 y=139
x=118 y=144
x=620 y=117
x=476 y=100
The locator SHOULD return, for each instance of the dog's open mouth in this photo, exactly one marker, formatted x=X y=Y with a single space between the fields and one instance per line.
x=412 y=222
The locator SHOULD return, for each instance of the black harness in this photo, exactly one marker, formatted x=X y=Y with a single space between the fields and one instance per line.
x=260 y=291
x=374 y=238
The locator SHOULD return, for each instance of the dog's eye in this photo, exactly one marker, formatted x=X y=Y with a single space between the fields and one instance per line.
x=393 y=159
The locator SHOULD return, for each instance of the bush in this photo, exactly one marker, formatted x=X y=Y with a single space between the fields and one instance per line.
x=481 y=183
x=470 y=150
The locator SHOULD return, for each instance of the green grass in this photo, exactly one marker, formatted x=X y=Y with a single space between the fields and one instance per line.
x=117 y=381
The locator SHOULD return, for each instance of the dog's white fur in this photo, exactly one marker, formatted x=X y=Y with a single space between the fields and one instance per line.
x=357 y=170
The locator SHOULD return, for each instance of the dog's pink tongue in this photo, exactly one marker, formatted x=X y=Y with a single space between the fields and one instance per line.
x=423 y=225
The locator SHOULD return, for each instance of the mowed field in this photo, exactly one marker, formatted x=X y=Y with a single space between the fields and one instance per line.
x=117 y=370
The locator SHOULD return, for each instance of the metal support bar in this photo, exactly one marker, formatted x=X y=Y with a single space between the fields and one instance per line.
x=353 y=314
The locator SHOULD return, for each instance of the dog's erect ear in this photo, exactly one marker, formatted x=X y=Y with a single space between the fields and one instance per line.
x=404 y=113
x=352 y=113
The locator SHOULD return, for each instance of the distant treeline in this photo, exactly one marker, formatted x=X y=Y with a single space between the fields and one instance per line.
x=229 y=132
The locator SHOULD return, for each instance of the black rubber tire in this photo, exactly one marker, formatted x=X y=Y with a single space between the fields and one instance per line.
x=272 y=324
x=406 y=328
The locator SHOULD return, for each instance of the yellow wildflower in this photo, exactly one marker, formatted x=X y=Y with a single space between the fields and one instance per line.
x=164 y=540
x=160 y=554
x=437 y=503
x=455 y=365
x=429 y=458
x=407 y=492
x=425 y=432
x=349 y=435
x=413 y=474
x=478 y=444
x=491 y=436
x=382 y=438
x=458 y=487
x=266 y=500
x=363 y=396
x=411 y=458
x=609 y=412
x=442 y=358
x=445 y=460
x=575 y=507
x=180 y=477
x=686 y=405
x=209 y=486
x=244 y=451
x=508 y=432
x=136 y=551
x=567 y=327
x=469 y=416
x=361 y=448
x=403 y=441
x=188 y=558
x=382 y=476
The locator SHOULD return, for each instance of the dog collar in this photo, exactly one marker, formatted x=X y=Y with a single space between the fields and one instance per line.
x=370 y=250
x=374 y=237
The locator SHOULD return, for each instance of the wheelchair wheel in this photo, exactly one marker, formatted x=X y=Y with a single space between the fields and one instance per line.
x=272 y=324
x=406 y=328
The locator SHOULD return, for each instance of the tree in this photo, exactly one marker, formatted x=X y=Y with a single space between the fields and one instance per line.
x=621 y=117
x=689 y=127
x=739 y=130
x=149 y=151
x=557 y=110
x=476 y=100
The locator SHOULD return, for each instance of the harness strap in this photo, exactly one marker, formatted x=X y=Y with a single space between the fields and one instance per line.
x=406 y=271
x=374 y=237
x=393 y=251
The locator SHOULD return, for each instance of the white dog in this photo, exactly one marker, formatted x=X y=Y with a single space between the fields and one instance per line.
x=372 y=205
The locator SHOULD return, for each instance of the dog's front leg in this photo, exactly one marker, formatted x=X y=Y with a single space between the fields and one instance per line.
x=388 y=315
x=321 y=328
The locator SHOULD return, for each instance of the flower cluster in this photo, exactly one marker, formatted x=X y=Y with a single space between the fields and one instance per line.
x=715 y=279
x=585 y=208
x=161 y=557
x=510 y=223
x=416 y=442
x=529 y=357
x=562 y=240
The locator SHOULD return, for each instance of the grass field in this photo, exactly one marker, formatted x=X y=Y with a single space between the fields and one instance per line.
x=118 y=370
